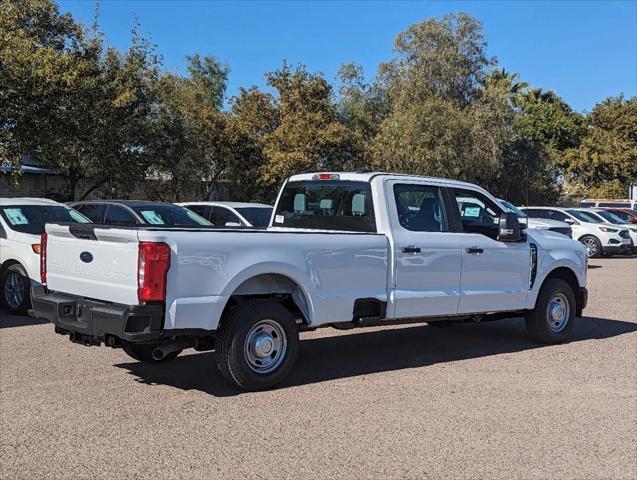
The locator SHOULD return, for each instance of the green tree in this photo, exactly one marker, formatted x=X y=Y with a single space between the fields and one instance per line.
x=605 y=163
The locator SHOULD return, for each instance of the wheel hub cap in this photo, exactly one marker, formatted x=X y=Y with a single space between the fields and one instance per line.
x=14 y=290
x=558 y=312
x=265 y=346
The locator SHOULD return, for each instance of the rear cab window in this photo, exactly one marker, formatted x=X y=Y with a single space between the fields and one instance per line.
x=326 y=205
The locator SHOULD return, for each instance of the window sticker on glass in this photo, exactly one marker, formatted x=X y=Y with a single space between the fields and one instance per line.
x=279 y=219
x=15 y=216
x=152 y=217
x=472 y=212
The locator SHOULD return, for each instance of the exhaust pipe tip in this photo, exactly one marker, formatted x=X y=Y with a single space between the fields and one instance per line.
x=158 y=354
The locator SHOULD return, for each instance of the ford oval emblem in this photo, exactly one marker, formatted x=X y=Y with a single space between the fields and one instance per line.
x=86 y=257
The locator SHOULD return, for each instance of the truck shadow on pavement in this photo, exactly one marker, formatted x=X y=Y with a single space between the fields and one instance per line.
x=11 y=321
x=362 y=352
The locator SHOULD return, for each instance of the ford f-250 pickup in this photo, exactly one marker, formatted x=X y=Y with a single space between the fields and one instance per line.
x=343 y=250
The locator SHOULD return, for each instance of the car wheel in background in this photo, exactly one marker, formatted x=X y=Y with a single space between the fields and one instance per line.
x=15 y=289
x=553 y=318
x=593 y=246
x=257 y=345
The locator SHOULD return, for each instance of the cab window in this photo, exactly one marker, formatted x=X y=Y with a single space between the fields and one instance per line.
x=478 y=214
x=420 y=208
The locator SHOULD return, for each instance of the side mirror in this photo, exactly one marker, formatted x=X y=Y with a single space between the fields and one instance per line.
x=232 y=224
x=509 y=229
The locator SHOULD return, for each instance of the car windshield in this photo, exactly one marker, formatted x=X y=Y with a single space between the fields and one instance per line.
x=513 y=209
x=170 y=215
x=257 y=216
x=610 y=217
x=32 y=218
x=584 y=217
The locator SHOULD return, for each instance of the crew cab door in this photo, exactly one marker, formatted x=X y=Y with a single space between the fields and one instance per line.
x=495 y=274
x=427 y=256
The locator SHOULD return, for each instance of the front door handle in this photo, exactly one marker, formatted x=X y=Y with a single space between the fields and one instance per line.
x=410 y=249
x=475 y=250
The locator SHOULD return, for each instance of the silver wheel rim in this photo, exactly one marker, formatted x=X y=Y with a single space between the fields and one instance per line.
x=14 y=290
x=558 y=312
x=591 y=246
x=265 y=346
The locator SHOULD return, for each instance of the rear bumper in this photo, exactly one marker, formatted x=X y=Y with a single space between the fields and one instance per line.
x=92 y=322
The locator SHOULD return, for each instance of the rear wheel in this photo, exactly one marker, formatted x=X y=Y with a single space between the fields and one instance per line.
x=593 y=246
x=257 y=345
x=16 y=289
x=144 y=353
x=553 y=318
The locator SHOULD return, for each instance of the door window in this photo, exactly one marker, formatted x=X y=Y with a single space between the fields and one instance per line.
x=201 y=210
x=94 y=211
x=118 y=216
x=477 y=213
x=420 y=208
x=220 y=216
x=556 y=215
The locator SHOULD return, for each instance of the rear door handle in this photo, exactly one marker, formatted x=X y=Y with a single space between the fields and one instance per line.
x=474 y=250
x=410 y=249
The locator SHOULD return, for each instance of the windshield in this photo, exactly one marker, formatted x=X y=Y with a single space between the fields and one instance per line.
x=610 y=217
x=326 y=205
x=584 y=216
x=31 y=218
x=170 y=215
x=257 y=216
x=513 y=209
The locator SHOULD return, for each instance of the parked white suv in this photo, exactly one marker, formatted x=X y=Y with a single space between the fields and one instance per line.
x=232 y=214
x=21 y=224
x=598 y=237
x=539 y=223
x=610 y=217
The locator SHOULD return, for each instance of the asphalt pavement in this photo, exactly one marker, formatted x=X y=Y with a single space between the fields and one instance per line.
x=469 y=401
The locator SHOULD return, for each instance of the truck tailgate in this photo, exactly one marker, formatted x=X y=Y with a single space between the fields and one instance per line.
x=93 y=262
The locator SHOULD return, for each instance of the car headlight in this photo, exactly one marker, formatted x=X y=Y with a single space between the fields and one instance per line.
x=609 y=230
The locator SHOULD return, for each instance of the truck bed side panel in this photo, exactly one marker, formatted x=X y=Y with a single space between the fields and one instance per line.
x=331 y=269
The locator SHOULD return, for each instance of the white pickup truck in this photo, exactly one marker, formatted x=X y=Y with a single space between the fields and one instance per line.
x=343 y=250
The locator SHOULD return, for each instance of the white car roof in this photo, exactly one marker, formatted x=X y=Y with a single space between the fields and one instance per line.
x=27 y=201
x=368 y=176
x=229 y=204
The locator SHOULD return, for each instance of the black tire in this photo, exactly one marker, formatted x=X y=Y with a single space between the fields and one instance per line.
x=540 y=325
x=144 y=353
x=233 y=350
x=12 y=278
x=593 y=242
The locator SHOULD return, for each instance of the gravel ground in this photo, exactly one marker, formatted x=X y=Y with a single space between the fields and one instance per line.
x=470 y=401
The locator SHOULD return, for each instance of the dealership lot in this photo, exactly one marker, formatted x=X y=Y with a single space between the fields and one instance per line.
x=414 y=402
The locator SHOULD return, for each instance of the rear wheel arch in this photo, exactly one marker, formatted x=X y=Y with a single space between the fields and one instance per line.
x=272 y=286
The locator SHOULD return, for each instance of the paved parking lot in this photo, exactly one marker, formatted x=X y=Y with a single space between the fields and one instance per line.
x=470 y=401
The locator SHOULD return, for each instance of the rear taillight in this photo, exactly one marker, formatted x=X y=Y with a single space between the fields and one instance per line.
x=43 y=238
x=153 y=262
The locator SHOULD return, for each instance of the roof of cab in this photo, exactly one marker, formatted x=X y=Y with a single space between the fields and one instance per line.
x=368 y=176
x=27 y=201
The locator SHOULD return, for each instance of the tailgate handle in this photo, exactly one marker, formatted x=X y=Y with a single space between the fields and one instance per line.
x=475 y=250
x=410 y=249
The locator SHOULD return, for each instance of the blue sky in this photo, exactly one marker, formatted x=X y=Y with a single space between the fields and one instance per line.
x=585 y=51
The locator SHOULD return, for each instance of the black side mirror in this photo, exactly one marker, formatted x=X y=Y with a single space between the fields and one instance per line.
x=509 y=229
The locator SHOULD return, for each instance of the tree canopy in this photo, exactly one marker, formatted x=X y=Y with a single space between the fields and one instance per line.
x=110 y=120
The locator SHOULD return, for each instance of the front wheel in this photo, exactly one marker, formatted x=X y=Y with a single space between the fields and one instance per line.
x=593 y=246
x=257 y=345
x=553 y=318
x=15 y=287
